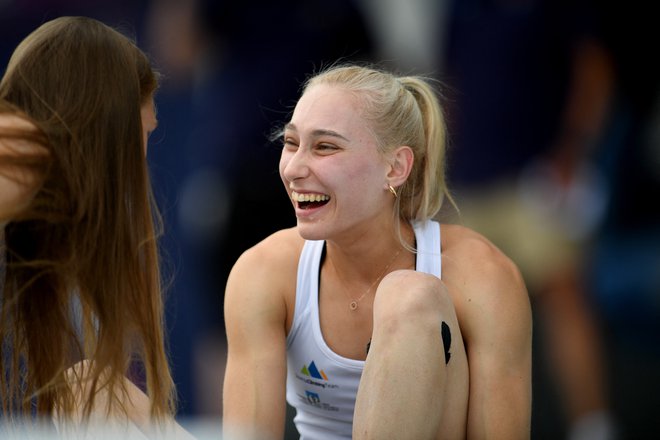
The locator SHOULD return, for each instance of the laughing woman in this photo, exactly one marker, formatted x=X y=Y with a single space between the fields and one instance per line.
x=372 y=319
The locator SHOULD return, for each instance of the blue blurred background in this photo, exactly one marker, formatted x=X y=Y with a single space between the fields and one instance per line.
x=553 y=110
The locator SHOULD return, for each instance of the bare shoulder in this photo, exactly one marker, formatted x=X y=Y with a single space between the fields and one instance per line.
x=263 y=280
x=468 y=254
x=275 y=254
x=485 y=283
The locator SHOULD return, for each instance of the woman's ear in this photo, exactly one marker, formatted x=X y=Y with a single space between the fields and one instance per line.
x=401 y=162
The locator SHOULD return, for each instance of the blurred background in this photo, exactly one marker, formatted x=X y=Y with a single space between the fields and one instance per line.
x=553 y=109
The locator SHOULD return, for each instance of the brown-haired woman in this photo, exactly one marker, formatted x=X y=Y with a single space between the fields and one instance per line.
x=81 y=300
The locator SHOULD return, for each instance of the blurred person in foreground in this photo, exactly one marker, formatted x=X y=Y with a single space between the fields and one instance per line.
x=365 y=317
x=81 y=314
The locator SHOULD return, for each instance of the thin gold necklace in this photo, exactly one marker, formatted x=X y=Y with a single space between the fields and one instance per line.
x=353 y=305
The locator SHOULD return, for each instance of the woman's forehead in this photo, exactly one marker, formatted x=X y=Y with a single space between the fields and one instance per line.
x=326 y=107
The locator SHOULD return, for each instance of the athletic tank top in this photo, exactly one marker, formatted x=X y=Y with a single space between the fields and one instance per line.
x=321 y=385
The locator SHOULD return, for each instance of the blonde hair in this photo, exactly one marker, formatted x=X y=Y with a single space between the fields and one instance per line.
x=88 y=240
x=402 y=110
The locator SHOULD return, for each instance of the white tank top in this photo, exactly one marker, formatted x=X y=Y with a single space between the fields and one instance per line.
x=321 y=385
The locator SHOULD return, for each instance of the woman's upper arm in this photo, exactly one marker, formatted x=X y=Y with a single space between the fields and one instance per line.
x=498 y=330
x=255 y=376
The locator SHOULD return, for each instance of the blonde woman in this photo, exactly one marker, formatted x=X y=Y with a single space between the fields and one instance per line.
x=370 y=318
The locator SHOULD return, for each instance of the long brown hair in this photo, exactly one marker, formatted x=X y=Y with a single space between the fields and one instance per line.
x=82 y=273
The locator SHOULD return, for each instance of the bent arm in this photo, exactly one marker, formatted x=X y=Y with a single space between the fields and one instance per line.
x=499 y=345
x=255 y=377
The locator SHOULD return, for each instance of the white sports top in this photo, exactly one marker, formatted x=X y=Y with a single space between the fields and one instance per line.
x=321 y=385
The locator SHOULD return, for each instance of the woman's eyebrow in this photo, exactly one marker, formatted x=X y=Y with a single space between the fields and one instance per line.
x=318 y=132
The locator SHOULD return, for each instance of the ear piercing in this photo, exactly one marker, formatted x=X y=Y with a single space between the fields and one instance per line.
x=392 y=190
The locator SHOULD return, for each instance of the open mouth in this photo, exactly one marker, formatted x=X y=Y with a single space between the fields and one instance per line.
x=309 y=201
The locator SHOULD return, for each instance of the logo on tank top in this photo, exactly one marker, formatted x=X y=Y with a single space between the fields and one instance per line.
x=314 y=377
x=314 y=399
x=313 y=371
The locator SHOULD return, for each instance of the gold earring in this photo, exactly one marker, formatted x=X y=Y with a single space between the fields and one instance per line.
x=393 y=191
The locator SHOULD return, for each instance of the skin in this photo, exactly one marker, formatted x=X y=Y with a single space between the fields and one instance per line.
x=352 y=172
x=332 y=154
x=17 y=186
x=136 y=409
x=149 y=121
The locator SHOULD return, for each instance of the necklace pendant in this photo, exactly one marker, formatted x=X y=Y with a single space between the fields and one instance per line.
x=353 y=305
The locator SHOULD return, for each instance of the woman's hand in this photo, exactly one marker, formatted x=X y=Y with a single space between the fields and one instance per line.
x=19 y=153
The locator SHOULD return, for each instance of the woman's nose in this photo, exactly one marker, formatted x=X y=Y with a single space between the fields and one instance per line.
x=295 y=164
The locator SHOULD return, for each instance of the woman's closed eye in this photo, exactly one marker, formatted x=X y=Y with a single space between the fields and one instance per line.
x=289 y=143
x=326 y=148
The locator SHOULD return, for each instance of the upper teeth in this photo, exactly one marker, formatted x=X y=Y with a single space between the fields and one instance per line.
x=308 y=197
